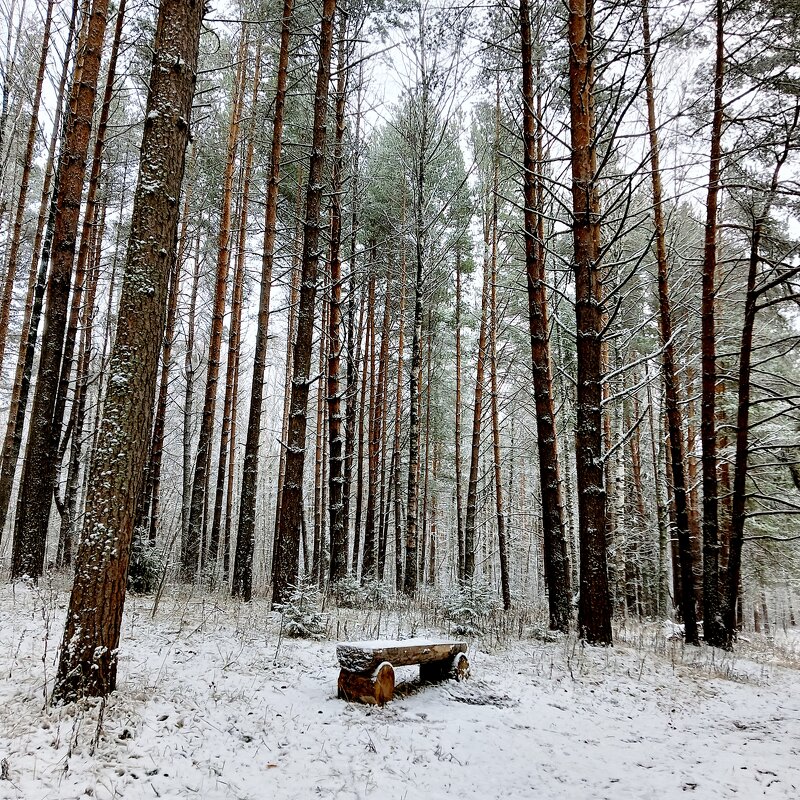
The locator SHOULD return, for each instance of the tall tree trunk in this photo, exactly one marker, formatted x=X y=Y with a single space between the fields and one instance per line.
x=362 y=410
x=285 y=560
x=188 y=401
x=671 y=383
x=475 y=452
x=243 y=561
x=751 y=307
x=77 y=414
x=505 y=584
x=234 y=336
x=88 y=659
x=291 y=334
x=556 y=556
x=713 y=631
x=37 y=278
x=312 y=567
x=27 y=163
x=457 y=465
x=398 y=419
x=338 y=531
x=594 y=610
x=39 y=469
x=378 y=413
x=150 y=506
x=191 y=555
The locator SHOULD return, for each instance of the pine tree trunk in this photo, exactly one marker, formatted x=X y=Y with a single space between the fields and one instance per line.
x=362 y=410
x=457 y=465
x=556 y=557
x=738 y=515
x=88 y=659
x=188 y=401
x=150 y=506
x=40 y=465
x=378 y=413
x=27 y=163
x=245 y=535
x=191 y=555
x=338 y=531
x=505 y=584
x=472 y=486
x=294 y=299
x=671 y=384
x=70 y=503
x=398 y=419
x=594 y=610
x=37 y=278
x=285 y=560
x=312 y=567
x=713 y=631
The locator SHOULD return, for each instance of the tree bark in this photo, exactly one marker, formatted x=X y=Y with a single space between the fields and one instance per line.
x=556 y=557
x=594 y=610
x=713 y=630
x=191 y=555
x=243 y=561
x=37 y=278
x=39 y=469
x=671 y=382
x=285 y=560
x=27 y=163
x=88 y=659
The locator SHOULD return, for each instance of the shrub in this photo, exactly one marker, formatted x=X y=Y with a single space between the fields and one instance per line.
x=300 y=615
x=469 y=606
x=146 y=566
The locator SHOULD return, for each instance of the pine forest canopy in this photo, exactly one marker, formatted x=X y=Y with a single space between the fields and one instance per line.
x=491 y=302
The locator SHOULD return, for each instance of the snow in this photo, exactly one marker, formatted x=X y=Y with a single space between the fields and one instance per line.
x=213 y=703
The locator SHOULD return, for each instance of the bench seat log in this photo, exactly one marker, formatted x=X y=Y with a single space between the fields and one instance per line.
x=367 y=673
x=365 y=656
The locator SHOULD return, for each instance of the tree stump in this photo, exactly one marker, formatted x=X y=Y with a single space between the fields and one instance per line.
x=375 y=687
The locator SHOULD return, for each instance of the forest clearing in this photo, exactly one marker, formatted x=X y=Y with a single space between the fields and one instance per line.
x=211 y=704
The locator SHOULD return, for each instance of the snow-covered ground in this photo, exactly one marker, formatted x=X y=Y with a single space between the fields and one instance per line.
x=211 y=704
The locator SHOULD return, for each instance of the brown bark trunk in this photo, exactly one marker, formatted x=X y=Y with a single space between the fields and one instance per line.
x=713 y=631
x=556 y=557
x=671 y=382
x=227 y=432
x=285 y=561
x=70 y=503
x=739 y=509
x=336 y=520
x=594 y=610
x=369 y=566
x=398 y=418
x=459 y=508
x=191 y=555
x=27 y=163
x=88 y=660
x=243 y=561
x=472 y=486
x=37 y=278
x=39 y=469
x=505 y=583
x=188 y=402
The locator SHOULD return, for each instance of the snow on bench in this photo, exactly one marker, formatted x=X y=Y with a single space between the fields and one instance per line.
x=367 y=668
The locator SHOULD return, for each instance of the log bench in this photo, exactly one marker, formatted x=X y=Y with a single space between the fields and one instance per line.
x=367 y=668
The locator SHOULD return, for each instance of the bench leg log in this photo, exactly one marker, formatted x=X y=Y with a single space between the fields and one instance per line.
x=434 y=671
x=375 y=687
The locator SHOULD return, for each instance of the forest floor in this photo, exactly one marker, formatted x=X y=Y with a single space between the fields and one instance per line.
x=212 y=703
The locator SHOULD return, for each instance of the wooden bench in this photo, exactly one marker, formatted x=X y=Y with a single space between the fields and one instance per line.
x=367 y=668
